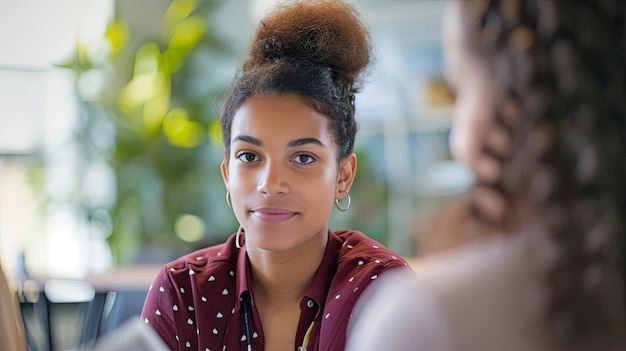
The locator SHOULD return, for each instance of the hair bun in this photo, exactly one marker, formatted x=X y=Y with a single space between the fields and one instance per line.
x=323 y=32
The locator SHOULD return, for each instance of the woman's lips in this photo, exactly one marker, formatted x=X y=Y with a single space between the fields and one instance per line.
x=273 y=214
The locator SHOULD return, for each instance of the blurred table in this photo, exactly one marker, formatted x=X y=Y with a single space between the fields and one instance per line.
x=136 y=277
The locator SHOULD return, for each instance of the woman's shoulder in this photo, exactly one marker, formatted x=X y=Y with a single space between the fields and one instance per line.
x=475 y=297
x=488 y=292
x=357 y=248
x=486 y=267
x=477 y=260
x=361 y=261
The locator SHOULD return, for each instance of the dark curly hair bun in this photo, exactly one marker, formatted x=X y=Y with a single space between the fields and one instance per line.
x=327 y=33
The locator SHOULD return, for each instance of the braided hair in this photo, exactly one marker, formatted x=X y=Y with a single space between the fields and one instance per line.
x=558 y=137
x=314 y=49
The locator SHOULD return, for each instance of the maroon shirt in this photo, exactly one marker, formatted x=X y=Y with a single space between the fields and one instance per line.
x=195 y=301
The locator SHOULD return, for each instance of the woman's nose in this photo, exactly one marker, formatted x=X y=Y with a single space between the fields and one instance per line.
x=272 y=180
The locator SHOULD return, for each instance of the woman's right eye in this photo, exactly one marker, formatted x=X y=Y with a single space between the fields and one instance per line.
x=247 y=157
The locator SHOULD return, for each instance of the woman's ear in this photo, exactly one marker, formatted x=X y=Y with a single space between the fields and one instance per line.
x=347 y=171
x=224 y=168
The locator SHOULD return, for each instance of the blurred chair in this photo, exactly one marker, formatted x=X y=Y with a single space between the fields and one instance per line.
x=119 y=298
x=12 y=335
x=54 y=312
x=34 y=306
x=108 y=311
x=72 y=314
x=125 y=305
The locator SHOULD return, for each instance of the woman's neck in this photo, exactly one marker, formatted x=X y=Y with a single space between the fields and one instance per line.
x=280 y=277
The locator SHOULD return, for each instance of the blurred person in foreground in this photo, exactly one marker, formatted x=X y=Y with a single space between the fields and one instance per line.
x=283 y=281
x=540 y=119
x=12 y=335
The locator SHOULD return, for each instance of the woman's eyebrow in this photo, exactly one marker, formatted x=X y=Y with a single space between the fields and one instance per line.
x=302 y=141
x=248 y=139
x=293 y=143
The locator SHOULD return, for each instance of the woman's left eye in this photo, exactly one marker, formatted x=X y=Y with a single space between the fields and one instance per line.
x=304 y=159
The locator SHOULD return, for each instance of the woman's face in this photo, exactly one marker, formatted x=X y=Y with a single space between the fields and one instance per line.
x=282 y=172
x=469 y=79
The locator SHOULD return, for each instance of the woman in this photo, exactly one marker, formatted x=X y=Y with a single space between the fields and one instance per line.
x=283 y=281
x=540 y=119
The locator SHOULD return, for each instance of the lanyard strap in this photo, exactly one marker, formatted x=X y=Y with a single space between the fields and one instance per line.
x=246 y=312
x=307 y=336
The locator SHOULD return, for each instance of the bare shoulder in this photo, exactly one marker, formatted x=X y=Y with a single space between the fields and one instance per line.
x=488 y=293
x=483 y=296
x=476 y=263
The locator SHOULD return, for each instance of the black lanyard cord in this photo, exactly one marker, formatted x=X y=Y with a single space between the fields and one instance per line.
x=246 y=312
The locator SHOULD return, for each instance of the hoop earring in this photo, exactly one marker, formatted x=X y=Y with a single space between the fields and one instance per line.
x=228 y=198
x=343 y=209
x=237 y=243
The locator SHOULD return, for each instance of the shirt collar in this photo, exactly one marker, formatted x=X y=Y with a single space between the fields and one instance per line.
x=243 y=273
x=320 y=285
